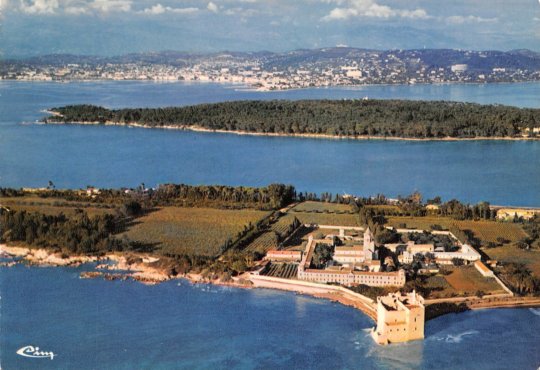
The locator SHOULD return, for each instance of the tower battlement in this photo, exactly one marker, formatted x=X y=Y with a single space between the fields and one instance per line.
x=400 y=318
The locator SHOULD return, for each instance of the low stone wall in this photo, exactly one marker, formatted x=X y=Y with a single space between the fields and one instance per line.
x=335 y=227
x=506 y=289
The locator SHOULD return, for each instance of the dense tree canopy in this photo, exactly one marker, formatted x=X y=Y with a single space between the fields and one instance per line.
x=77 y=234
x=382 y=118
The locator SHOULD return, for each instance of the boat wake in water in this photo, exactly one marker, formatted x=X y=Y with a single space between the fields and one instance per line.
x=456 y=338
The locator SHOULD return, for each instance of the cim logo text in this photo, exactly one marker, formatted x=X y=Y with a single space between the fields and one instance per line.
x=35 y=352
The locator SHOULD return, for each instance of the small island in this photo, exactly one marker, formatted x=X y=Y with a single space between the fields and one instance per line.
x=405 y=260
x=354 y=119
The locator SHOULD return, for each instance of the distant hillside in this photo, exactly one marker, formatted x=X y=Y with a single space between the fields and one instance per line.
x=305 y=68
x=444 y=58
x=349 y=118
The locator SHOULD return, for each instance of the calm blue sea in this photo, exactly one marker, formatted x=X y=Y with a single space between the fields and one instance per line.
x=75 y=156
x=97 y=324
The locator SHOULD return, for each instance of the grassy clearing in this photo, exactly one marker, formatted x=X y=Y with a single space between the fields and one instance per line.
x=54 y=206
x=194 y=231
x=510 y=253
x=489 y=230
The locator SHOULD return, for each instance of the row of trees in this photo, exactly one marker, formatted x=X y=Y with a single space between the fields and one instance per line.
x=520 y=278
x=387 y=118
x=460 y=211
x=273 y=196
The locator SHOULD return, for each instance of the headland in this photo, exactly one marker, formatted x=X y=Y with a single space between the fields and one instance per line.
x=450 y=256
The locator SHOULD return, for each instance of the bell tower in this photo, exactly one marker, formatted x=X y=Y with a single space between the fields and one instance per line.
x=369 y=244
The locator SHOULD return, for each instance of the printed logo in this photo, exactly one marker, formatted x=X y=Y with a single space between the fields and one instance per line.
x=34 y=352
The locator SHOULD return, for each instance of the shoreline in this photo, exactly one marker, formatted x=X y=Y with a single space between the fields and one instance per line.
x=250 y=88
x=138 y=267
x=195 y=128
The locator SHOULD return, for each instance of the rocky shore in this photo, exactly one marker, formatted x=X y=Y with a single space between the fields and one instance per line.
x=147 y=270
x=137 y=267
x=197 y=128
x=113 y=266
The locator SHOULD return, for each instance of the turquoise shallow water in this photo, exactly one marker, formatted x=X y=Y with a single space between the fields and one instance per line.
x=76 y=156
x=97 y=324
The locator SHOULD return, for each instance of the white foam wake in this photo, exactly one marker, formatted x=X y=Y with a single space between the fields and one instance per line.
x=456 y=338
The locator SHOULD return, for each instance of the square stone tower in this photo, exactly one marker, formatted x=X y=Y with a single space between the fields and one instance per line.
x=400 y=318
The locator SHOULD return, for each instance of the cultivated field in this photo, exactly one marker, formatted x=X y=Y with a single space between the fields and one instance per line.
x=194 y=231
x=326 y=218
x=384 y=207
x=310 y=206
x=489 y=231
x=486 y=231
x=467 y=280
x=462 y=281
x=54 y=206
x=269 y=239
x=323 y=213
x=510 y=253
x=282 y=270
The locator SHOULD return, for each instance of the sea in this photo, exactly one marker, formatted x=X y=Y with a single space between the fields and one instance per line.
x=500 y=172
x=98 y=324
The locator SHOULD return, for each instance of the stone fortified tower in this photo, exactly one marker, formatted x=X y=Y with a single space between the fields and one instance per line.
x=400 y=318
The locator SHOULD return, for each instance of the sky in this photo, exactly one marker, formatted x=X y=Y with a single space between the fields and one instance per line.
x=115 y=27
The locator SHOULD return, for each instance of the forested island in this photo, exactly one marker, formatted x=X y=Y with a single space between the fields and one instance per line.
x=365 y=118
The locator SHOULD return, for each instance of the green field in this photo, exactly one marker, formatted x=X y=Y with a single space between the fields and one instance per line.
x=54 y=206
x=194 y=231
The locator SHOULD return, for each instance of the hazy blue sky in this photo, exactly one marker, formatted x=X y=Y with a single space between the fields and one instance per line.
x=112 y=27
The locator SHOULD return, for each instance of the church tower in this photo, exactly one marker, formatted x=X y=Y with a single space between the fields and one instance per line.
x=369 y=244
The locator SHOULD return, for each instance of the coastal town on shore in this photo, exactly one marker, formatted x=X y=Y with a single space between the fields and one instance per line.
x=399 y=274
x=339 y=66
